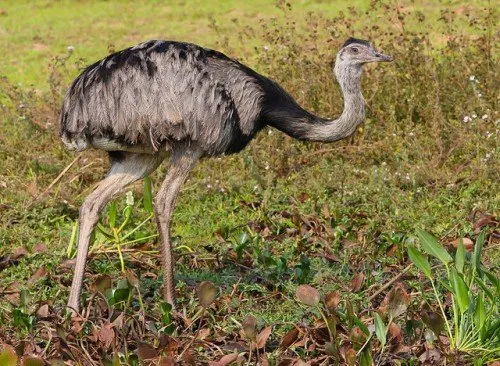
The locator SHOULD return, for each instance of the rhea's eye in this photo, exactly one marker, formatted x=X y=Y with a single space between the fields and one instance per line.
x=354 y=49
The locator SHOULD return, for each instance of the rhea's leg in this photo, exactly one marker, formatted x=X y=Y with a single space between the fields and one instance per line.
x=125 y=168
x=182 y=162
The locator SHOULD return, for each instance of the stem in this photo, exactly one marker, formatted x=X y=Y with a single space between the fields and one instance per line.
x=326 y=322
x=444 y=315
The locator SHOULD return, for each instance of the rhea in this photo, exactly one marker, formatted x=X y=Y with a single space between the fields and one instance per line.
x=165 y=98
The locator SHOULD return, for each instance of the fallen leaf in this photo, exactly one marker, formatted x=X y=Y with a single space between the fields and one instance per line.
x=289 y=338
x=146 y=352
x=332 y=299
x=397 y=301
x=19 y=253
x=39 y=248
x=204 y=333
x=350 y=357
x=395 y=332
x=106 y=334
x=39 y=273
x=43 y=311
x=8 y=355
x=433 y=320
x=248 y=326
x=483 y=221
x=357 y=282
x=102 y=283
x=227 y=359
x=132 y=278
x=307 y=295
x=207 y=293
x=263 y=336
x=468 y=244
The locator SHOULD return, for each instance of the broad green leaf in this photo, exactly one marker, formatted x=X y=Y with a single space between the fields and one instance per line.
x=432 y=247
x=366 y=359
x=480 y=312
x=460 y=257
x=112 y=211
x=484 y=288
x=460 y=290
x=380 y=330
x=147 y=198
x=493 y=279
x=420 y=261
x=478 y=248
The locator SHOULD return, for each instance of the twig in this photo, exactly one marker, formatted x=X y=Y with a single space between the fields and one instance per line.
x=49 y=187
x=394 y=279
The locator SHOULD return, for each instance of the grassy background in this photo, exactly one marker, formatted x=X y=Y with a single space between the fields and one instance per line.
x=414 y=163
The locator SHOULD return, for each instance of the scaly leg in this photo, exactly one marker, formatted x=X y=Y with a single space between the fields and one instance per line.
x=182 y=162
x=125 y=168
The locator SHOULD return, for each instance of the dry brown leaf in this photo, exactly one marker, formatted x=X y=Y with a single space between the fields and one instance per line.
x=307 y=295
x=357 y=282
x=395 y=332
x=166 y=361
x=146 y=352
x=332 y=300
x=203 y=333
x=350 y=357
x=39 y=273
x=248 y=326
x=289 y=338
x=263 y=336
x=468 y=244
x=106 y=334
x=39 y=248
x=43 y=311
x=19 y=253
x=207 y=293
x=483 y=221
x=227 y=359
x=32 y=361
x=102 y=283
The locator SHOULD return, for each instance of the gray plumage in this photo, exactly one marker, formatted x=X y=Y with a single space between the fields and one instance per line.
x=163 y=96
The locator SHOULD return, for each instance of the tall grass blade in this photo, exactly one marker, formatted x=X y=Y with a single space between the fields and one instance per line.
x=478 y=248
x=380 y=330
x=460 y=257
x=147 y=198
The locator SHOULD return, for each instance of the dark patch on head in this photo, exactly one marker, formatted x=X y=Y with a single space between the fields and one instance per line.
x=182 y=54
x=116 y=156
x=356 y=40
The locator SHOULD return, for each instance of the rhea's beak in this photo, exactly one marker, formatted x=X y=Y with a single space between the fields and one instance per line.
x=380 y=57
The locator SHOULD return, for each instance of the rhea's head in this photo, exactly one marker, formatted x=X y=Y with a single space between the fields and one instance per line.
x=359 y=52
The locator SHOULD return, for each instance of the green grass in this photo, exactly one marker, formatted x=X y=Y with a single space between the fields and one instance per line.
x=413 y=164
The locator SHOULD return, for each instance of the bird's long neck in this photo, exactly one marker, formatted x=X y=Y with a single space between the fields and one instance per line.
x=286 y=115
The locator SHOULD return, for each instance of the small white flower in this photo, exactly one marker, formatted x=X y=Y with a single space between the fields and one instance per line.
x=267 y=166
x=129 y=198
x=479 y=95
x=266 y=48
x=411 y=134
x=407 y=176
x=473 y=115
x=255 y=187
x=383 y=163
x=270 y=132
x=485 y=116
x=472 y=78
x=467 y=119
x=70 y=49
x=209 y=186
